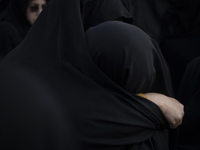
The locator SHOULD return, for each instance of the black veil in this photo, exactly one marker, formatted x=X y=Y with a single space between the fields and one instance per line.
x=104 y=115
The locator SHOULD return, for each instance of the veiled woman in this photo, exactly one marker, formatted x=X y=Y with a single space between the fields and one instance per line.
x=104 y=115
x=16 y=22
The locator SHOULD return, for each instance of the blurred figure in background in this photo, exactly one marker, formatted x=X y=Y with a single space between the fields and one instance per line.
x=150 y=16
x=189 y=95
x=181 y=44
x=21 y=14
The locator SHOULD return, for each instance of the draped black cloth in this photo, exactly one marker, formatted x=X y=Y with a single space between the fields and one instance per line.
x=105 y=115
x=14 y=26
x=189 y=95
x=150 y=16
x=31 y=115
x=181 y=43
x=95 y=12
x=128 y=56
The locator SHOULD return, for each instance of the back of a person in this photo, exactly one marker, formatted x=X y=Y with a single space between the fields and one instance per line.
x=189 y=95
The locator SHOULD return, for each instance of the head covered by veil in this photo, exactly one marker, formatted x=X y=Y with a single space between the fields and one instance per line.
x=104 y=115
x=16 y=22
x=127 y=55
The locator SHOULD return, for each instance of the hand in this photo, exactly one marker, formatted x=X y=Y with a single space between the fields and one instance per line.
x=171 y=108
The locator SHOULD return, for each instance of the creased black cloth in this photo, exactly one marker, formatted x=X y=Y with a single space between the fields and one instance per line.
x=104 y=115
x=189 y=95
x=14 y=26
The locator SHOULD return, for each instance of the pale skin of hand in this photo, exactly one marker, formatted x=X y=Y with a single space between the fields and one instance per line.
x=171 y=108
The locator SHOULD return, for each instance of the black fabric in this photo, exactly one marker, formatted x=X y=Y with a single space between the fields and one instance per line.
x=14 y=26
x=102 y=10
x=3 y=7
x=189 y=94
x=128 y=56
x=181 y=43
x=185 y=18
x=31 y=115
x=104 y=115
x=150 y=16
x=178 y=52
x=189 y=82
x=3 y=4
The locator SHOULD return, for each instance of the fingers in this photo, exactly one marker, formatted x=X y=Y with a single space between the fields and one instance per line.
x=172 y=109
x=175 y=125
x=178 y=114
